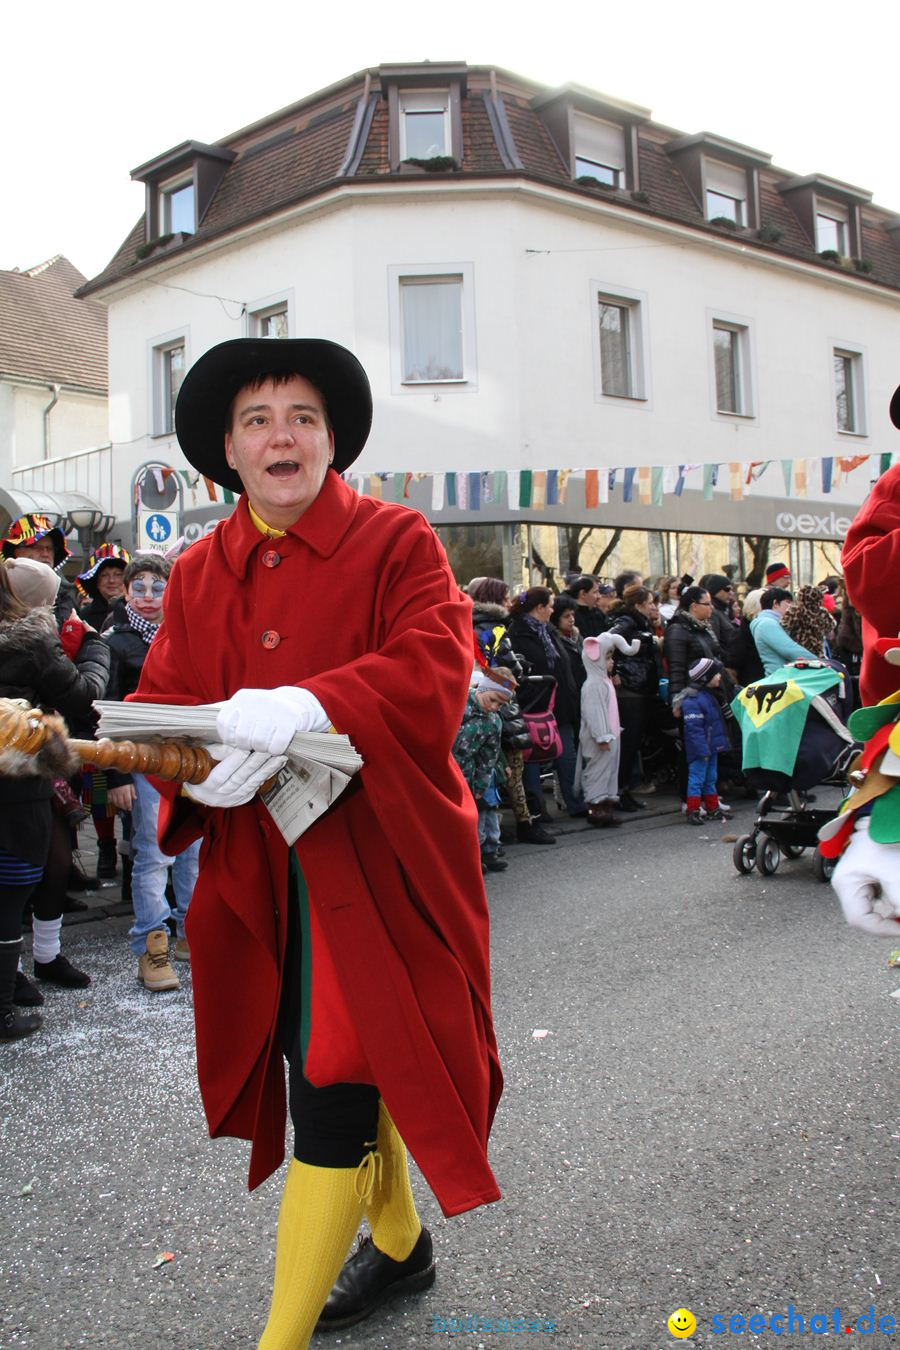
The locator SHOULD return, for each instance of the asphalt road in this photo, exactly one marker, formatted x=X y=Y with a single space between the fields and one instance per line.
x=710 y=1120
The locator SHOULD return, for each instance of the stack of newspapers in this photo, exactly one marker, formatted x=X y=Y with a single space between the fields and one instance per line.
x=319 y=764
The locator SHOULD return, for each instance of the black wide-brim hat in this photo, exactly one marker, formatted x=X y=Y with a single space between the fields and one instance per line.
x=212 y=382
x=895 y=407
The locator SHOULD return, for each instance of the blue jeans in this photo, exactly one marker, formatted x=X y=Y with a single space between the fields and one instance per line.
x=150 y=870
x=488 y=828
x=702 y=777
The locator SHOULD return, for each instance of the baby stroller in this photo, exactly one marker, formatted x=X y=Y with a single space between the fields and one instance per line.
x=786 y=825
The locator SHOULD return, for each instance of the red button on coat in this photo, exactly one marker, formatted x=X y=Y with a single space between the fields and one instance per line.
x=270 y=639
x=270 y=558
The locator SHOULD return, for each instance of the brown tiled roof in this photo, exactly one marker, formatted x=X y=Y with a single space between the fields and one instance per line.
x=300 y=152
x=48 y=335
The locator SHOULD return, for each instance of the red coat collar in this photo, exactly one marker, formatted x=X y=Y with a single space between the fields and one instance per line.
x=322 y=526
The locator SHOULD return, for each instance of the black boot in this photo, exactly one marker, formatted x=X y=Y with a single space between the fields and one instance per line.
x=61 y=971
x=107 y=858
x=26 y=994
x=532 y=832
x=14 y=1024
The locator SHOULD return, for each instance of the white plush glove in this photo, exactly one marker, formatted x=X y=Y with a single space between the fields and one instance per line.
x=866 y=871
x=266 y=719
x=237 y=777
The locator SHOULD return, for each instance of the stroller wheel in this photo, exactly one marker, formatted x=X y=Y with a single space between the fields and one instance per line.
x=768 y=856
x=823 y=867
x=793 y=850
x=743 y=854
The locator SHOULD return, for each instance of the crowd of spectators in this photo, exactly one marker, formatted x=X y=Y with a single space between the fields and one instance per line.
x=636 y=681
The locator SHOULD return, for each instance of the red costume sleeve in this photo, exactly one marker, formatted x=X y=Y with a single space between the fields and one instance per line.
x=871 y=562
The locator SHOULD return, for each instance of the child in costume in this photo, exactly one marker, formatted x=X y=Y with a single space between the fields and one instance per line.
x=478 y=753
x=705 y=738
x=597 y=769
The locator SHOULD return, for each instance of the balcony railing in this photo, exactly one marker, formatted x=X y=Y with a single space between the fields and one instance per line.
x=86 y=471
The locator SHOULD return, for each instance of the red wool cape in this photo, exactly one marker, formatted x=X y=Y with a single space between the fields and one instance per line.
x=871 y=563
x=368 y=617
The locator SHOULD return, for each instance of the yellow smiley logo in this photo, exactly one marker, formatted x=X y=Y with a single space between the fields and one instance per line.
x=682 y=1323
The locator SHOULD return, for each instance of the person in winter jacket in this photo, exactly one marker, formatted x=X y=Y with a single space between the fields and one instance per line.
x=102 y=583
x=597 y=773
x=637 y=683
x=590 y=618
x=477 y=751
x=490 y=617
x=705 y=738
x=745 y=657
x=721 y=593
x=688 y=637
x=35 y=847
x=775 y=647
x=135 y=622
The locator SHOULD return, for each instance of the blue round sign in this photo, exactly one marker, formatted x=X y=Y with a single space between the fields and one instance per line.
x=158 y=528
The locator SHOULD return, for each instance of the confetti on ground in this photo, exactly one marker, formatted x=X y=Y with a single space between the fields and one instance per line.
x=163 y=1259
x=539 y=1035
x=28 y=1188
x=894 y=957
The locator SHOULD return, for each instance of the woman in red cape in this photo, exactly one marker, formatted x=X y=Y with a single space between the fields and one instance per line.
x=362 y=952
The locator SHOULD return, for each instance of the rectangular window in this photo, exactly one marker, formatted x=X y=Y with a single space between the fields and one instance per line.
x=848 y=396
x=178 y=211
x=831 y=230
x=726 y=192
x=599 y=150
x=168 y=373
x=732 y=368
x=424 y=125
x=431 y=318
x=616 y=370
x=270 y=323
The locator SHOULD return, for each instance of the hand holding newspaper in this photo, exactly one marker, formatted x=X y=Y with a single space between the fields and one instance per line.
x=319 y=767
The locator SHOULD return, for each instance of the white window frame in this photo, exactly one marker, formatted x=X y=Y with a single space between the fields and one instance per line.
x=602 y=154
x=729 y=184
x=636 y=303
x=166 y=190
x=438 y=272
x=158 y=382
x=855 y=354
x=258 y=310
x=839 y=216
x=740 y=325
x=425 y=100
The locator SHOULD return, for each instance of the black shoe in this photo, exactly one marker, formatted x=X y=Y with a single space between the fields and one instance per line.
x=532 y=832
x=15 y=1024
x=26 y=994
x=107 y=858
x=61 y=971
x=628 y=803
x=493 y=863
x=369 y=1278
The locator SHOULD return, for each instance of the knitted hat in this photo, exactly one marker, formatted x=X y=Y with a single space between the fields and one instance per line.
x=34 y=583
x=704 y=670
x=715 y=582
x=28 y=530
x=483 y=680
x=776 y=573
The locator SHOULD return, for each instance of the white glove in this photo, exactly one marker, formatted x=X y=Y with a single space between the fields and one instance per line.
x=236 y=778
x=866 y=871
x=266 y=719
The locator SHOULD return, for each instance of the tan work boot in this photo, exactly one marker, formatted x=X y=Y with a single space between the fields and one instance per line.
x=181 y=951
x=154 y=970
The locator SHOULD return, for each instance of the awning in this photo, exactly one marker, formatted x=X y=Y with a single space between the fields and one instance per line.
x=55 y=505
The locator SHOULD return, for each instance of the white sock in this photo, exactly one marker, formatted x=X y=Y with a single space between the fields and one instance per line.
x=46 y=939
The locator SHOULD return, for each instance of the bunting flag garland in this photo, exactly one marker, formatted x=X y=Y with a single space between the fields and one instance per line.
x=710 y=478
x=591 y=488
x=735 y=482
x=462 y=491
x=611 y=482
x=645 y=487
x=886 y=461
x=499 y=479
x=450 y=484
x=605 y=484
x=679 y=481
x=375 y=485
x=512 y=489
x=787 y=470
x=628 y=485
x=437 y=491
x=539 y=489
x=474 y=491
x=848 y=465
x=563 y=484
x=487 y=488
x=552 y=489
x=525 y=487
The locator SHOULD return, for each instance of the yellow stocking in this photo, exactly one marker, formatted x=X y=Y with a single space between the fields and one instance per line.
x=391 y=1209
x=320 y=1213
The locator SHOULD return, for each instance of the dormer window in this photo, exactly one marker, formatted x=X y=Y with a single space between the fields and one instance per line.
x=831 y=228
x=726 y=192
x=177 y=208
x=424 y=124
x=599 y=150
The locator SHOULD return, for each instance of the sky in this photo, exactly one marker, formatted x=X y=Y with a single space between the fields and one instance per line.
x=89 y=91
